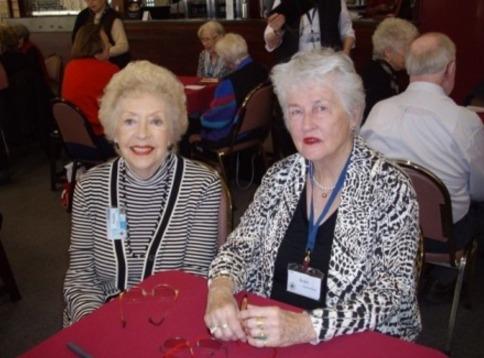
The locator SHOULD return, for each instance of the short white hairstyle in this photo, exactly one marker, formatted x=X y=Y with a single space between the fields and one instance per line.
x=392 y=33
x=232 y=48
x=140 y=78
x=324 y=67
x=430 y=54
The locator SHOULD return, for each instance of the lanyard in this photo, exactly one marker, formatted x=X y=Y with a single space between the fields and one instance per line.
x=314 y=227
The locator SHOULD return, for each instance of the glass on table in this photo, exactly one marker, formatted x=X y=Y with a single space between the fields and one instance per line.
x=179 y=347
x=163 y=295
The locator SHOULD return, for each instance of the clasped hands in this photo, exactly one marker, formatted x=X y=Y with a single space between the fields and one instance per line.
x=259 y=326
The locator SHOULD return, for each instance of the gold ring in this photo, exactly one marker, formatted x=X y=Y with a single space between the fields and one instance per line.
x=259 y=323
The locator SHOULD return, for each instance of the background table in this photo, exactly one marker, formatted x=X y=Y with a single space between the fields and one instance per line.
x=198 y=101
x=101 y=334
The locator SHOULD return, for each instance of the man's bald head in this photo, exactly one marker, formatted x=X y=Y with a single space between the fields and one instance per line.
x=430 y=54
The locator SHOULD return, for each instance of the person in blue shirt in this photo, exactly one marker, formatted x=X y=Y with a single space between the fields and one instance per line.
x=218 y=121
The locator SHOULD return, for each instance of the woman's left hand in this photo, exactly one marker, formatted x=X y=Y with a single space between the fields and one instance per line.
x=275 y=327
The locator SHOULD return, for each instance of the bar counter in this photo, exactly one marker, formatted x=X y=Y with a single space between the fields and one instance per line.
x=174 y=43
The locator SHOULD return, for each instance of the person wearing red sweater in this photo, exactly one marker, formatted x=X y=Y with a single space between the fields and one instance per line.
x=86 y=76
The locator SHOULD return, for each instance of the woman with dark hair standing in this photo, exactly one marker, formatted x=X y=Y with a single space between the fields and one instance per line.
x=100 y=13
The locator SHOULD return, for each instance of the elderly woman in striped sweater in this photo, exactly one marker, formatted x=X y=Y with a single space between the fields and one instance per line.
x=146 y=211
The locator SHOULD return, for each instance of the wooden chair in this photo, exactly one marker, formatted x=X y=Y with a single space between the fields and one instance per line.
x=78 y=140
x=435 y=210
x=54 y=66
x=255 y=116
x=9 y=285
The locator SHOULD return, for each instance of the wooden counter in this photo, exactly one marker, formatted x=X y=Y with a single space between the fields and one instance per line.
x=175 y=45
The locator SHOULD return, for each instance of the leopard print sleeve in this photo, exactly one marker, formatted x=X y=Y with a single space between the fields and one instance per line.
x=243 y=257
x=385 y=300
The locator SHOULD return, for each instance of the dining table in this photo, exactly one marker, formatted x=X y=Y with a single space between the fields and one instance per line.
x=143 y=328
x=199 y=93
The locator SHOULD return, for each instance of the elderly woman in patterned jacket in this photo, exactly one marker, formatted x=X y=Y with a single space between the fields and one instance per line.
x=148 y=210
x=332 y=229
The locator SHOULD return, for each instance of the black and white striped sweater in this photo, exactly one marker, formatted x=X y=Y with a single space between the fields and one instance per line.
x=181 y=200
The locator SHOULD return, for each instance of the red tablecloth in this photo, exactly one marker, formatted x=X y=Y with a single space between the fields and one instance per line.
x=198 y=100
x=101 y=334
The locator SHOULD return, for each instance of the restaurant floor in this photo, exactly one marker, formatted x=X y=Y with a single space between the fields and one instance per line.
x=36 y=236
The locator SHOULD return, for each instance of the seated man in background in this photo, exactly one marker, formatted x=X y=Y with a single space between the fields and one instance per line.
x=86 y=76
x=424 y=125
x=390 y=40
x=218 y=121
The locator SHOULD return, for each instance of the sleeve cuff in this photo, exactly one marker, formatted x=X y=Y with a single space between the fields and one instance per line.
x=316 y=317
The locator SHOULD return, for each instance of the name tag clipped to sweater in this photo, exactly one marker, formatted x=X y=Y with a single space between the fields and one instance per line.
x=304 y=281
x=117 y=224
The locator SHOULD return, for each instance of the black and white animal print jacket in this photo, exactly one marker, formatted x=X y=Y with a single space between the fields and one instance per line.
x=371 y=281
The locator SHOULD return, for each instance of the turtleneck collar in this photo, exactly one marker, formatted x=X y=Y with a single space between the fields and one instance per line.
x=158 y=177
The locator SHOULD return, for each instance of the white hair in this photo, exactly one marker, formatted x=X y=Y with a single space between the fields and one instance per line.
x=430 y=54
x=327 y=68
x=137 y=79
x=232 y=48
x=392 y=33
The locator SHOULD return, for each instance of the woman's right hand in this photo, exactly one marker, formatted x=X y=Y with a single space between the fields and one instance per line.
x=221 y=315
x=276 y=21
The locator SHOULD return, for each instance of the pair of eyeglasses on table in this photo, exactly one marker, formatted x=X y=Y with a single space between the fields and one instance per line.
x=163 y=295
x=209 y=347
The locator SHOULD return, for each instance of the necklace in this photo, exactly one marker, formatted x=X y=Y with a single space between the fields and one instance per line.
x=325 y=190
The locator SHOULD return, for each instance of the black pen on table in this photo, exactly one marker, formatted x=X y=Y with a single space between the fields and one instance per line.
x=78 y=351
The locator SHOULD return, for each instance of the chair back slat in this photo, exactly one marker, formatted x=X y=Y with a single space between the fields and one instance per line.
x=76 y=133
x=71 y=124
x=256 y=111
x=435 y=206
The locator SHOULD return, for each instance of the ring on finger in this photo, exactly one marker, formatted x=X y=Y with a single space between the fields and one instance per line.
x=259 y=322
x=262 y=335
x=213 y=329
x=225 y=326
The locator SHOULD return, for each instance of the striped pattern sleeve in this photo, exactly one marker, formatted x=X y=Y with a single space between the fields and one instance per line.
x=82 y=291
x=222 y=108
x=189 y=240
x=201 y=246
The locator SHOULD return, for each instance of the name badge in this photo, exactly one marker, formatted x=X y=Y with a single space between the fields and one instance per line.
x=117 y=224
x=305 y=283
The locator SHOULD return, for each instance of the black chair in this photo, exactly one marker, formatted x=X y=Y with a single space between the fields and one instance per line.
x=78 y=140
x=255 y=119
x=9 y=285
